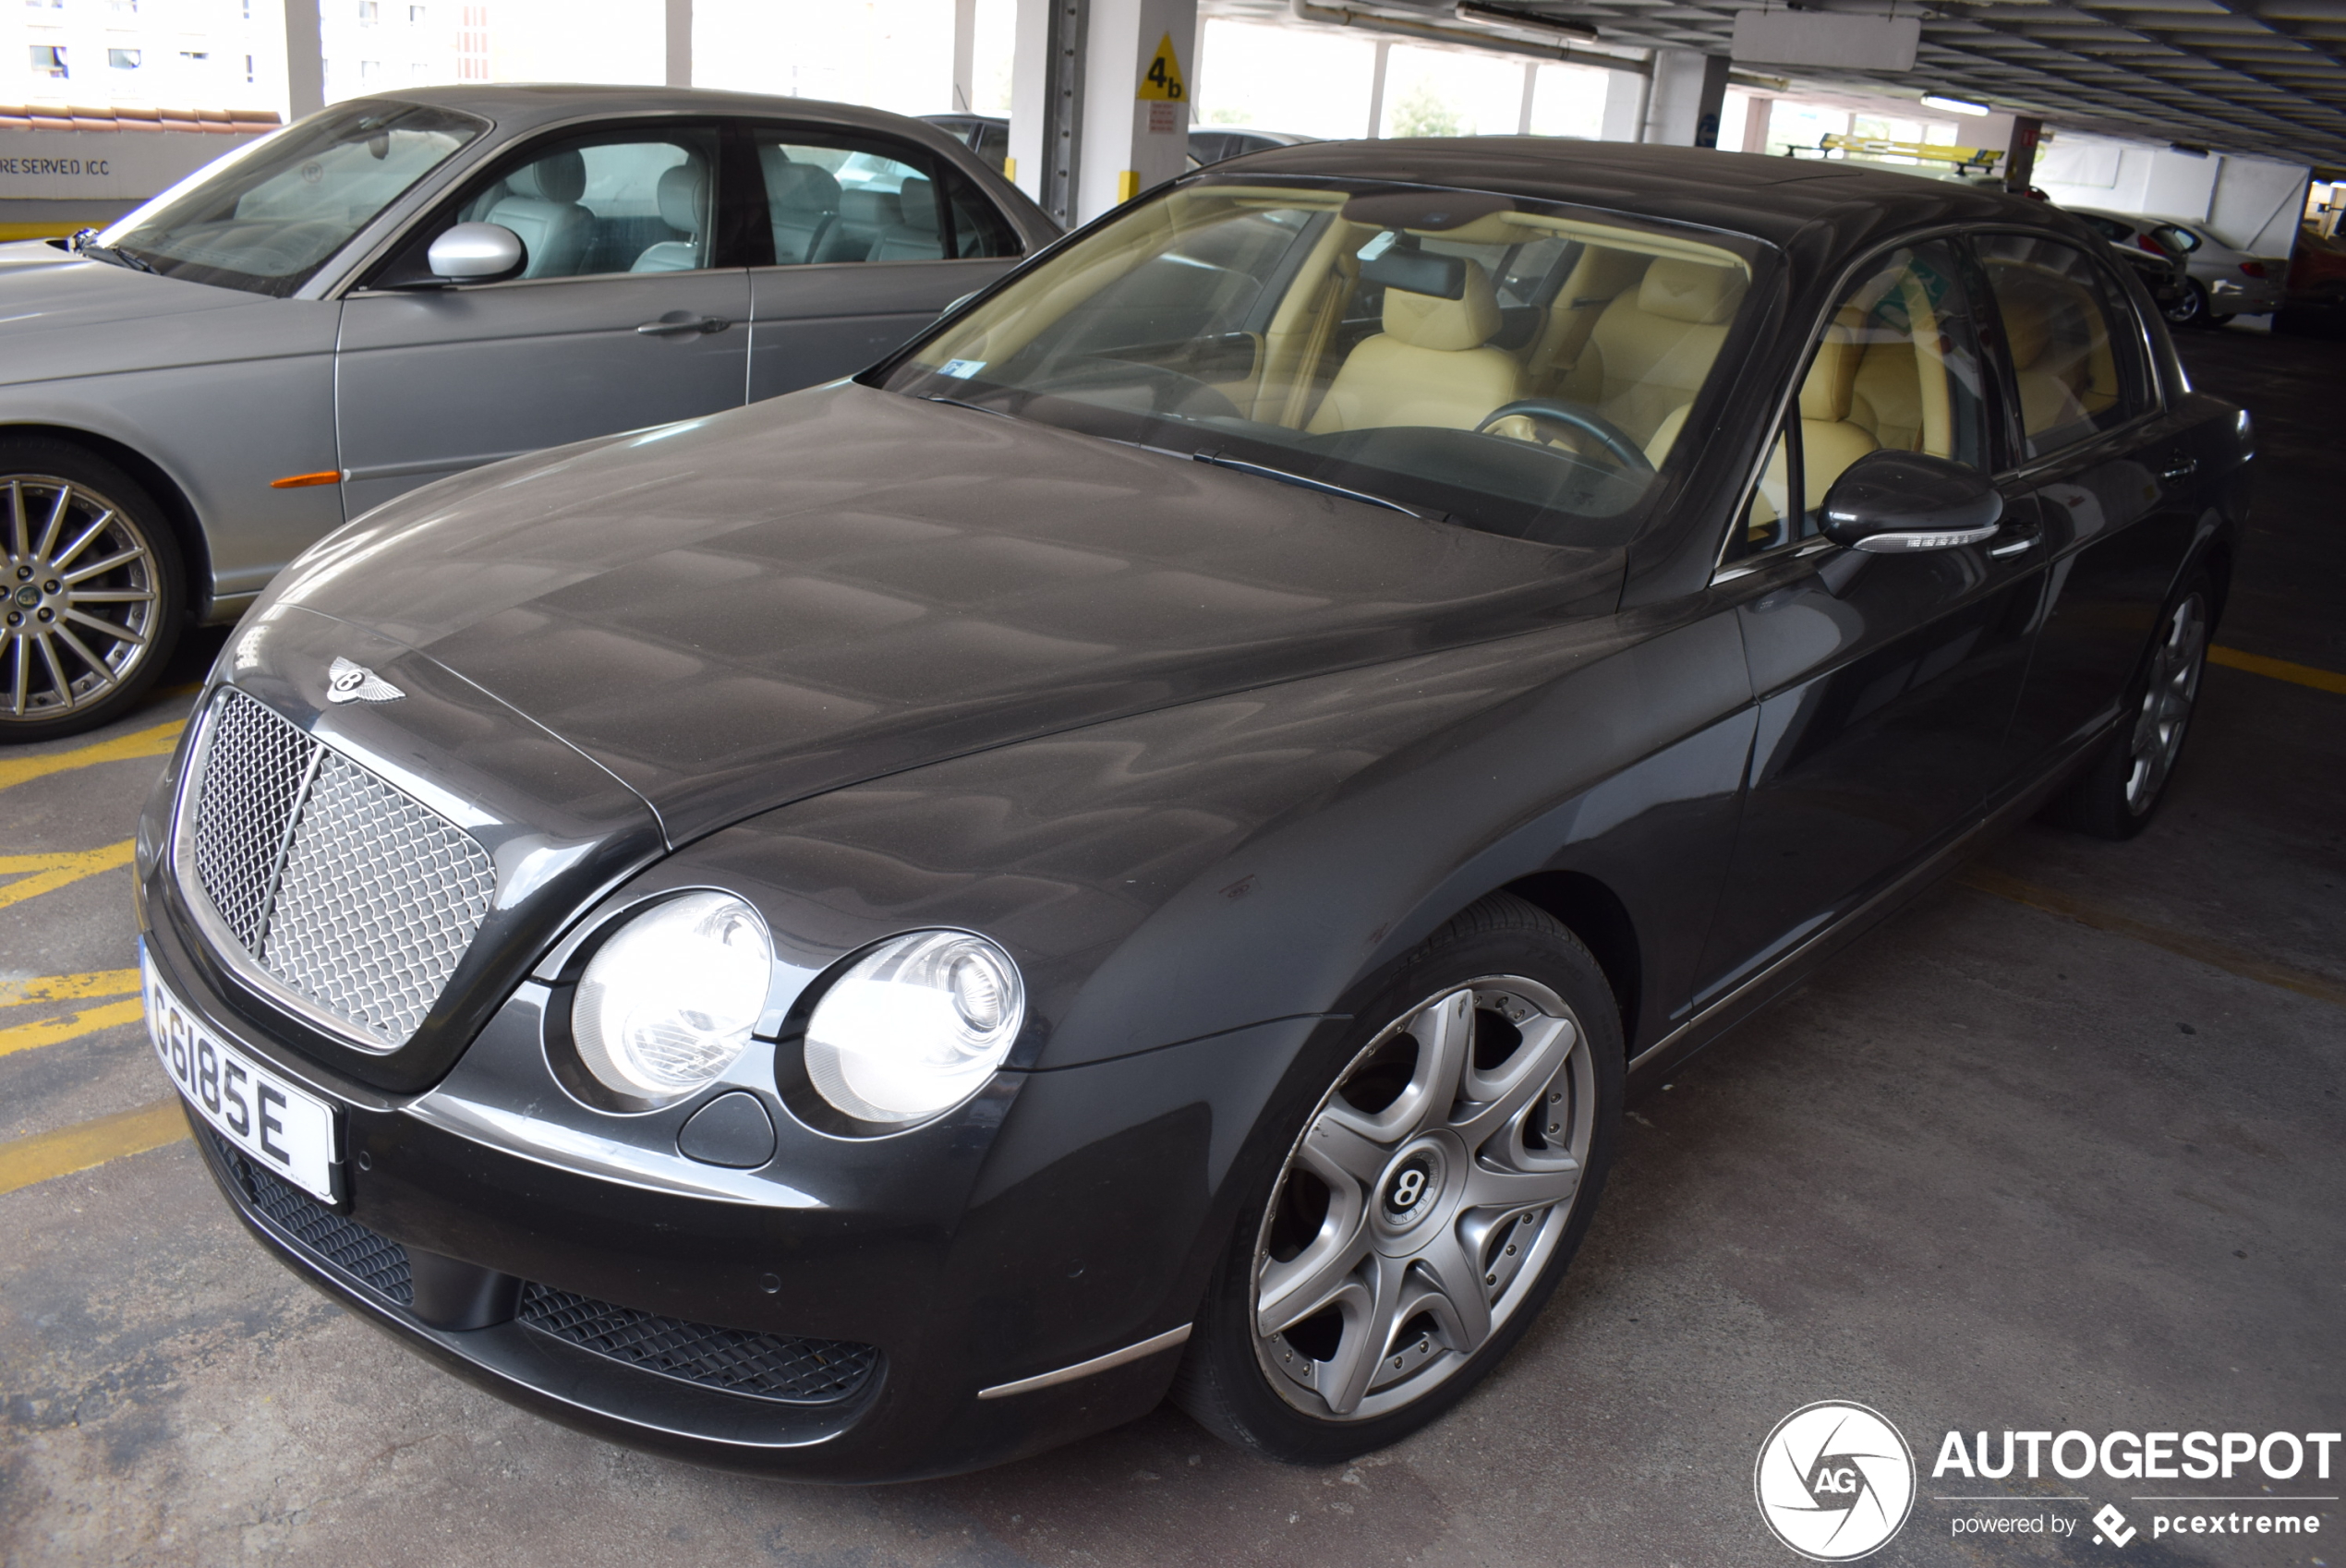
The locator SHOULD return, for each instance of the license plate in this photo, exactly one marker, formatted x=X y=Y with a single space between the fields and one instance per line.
x=286 y=1129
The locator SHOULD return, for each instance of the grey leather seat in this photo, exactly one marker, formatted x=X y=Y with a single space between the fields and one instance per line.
x=541 y=206
x=915 y=236
x=863 y=216
x=802 y=203
x=684 y=206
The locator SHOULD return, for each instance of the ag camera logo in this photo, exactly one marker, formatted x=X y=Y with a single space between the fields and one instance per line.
x=1834 y=1481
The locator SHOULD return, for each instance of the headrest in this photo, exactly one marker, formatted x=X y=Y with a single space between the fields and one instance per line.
x=2026 y=304
x=558 y=176
x=1690 y=291
x=683 y=196
x=800 y=188
x=877 y=208
x=1832 y=375
x=1429 y=321
x=917 y=201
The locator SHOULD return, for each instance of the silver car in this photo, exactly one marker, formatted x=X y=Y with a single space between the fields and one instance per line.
x=2222 y=281
x=401 y=288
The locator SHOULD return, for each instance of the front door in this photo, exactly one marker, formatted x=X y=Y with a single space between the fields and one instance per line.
x=621 y=318
x=871 y=238
x=1886 y=682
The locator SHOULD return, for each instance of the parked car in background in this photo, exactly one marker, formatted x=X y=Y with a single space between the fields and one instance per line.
x=989 y=136
x=2222 y=281
x=1138 y=844
x=400 y=288
x=2161 y=279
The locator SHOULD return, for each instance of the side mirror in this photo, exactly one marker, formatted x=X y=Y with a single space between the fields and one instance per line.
x=475 y=253
x=1891 y=503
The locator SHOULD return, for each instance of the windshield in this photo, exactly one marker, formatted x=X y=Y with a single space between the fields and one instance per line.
x=1515 y=367
x=268 y=217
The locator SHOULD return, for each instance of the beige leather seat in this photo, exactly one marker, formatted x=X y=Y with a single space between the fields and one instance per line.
x=1599 y=277
x=1887 y=395
x=1429 y=367
x=1829 y=440
x=2053 y=376
x=1651 y=349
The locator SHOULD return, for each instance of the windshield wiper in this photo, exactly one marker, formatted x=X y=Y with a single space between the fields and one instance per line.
x=109 y=253
x=1283 y=478
x=973 y=407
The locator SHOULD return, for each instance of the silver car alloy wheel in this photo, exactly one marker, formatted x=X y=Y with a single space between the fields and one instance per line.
x=2167 y=701
x=81 y=584
x=1427 y=1193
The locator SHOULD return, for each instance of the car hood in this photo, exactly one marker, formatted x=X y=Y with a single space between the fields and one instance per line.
x=736 y=612
x=56 y=310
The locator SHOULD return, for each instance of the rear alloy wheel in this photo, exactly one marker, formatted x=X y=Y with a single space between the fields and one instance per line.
x=2115 y=799
x=91 y=577
x=1429 y=1204
x=2190 y=310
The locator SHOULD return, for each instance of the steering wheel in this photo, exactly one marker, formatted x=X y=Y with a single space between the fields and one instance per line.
x=1610 y=436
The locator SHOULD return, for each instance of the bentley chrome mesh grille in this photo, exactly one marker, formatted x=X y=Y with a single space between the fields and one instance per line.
x=353 y=896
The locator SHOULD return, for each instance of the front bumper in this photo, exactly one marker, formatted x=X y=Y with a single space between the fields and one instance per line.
x=1073 y=1216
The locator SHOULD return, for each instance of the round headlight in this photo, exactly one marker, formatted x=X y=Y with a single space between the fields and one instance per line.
x=666 y=1004
x=915 y=1027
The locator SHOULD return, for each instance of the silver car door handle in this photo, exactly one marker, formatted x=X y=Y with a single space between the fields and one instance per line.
x=2013 y=547
x=2181 y=468
x=671 y=329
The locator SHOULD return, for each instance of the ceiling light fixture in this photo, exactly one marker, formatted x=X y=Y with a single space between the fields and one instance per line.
x=1953 y=105
x=1507 y=16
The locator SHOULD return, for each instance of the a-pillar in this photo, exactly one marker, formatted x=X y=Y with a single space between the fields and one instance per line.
x=1625 y=106
x=1689 y=90
x=305 y=60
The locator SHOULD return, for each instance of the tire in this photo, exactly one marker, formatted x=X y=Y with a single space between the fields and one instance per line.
x=2192 y=309
x=1450 y=1158
x=75 y=654
x=2116 y=797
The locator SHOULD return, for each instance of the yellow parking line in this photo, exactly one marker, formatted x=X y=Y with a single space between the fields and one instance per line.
x=50 y=872
x=2216 y=954
x=2279 y=669
x=152 y=742
x=71 y=1026
x=68 y=987
x=77 y=1148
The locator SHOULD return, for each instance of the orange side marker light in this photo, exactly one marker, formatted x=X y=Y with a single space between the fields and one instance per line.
x=296 y=481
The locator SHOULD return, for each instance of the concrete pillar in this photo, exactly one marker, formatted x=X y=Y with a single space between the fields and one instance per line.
x=679 y=36
x=1625 y=106
x=2020 y=162
x=1755 y=116
x=1376 y=89
x=1689 y=89
x=305 y=60
x=1045 y=92
x=1531 y=93
x=964 y=54
x=1139 y=73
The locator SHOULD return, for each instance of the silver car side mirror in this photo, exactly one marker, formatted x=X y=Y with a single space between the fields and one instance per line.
x=477 y=253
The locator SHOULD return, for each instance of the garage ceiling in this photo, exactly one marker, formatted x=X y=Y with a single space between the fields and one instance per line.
x=2263 y=77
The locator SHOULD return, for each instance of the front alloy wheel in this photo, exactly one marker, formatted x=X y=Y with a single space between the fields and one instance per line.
x=89 y=594
x=2167 y=696
x=1422 y=1197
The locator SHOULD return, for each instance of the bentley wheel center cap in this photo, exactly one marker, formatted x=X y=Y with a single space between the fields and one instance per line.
x=1411 y=1187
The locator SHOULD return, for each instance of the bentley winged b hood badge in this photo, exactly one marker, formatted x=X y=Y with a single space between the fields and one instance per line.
x=348 y=682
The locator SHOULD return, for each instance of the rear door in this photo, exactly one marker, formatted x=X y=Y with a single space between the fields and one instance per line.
x=2114 y=476
x=629 y=312
x=1886 y=682
x=863 y=240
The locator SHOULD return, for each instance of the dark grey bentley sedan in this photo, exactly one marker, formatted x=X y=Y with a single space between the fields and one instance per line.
x=1139 y=845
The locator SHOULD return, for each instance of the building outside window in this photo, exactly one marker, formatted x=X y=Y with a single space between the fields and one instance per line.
x=370 y=13
x=248 y=77
x=123 y=59
x=416 y=15
x=49 y=60
x=368 y=70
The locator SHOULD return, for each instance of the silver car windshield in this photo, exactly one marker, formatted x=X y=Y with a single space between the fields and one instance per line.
x=1518 y=366
x=267 y=218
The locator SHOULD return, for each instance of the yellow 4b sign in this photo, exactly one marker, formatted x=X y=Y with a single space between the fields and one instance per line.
x=1163 y=79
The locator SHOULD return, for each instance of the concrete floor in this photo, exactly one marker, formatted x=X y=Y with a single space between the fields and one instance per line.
x=2008 y=1168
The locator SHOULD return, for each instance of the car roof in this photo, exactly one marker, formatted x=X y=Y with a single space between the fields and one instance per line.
x=1772 y=199
x=522 y=106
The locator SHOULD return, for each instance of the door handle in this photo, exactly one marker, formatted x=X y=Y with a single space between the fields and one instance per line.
x=2180 y=467
x=664 y=327
x=2013 y=547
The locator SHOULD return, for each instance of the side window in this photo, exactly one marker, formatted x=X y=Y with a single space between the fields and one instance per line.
x=831 y=199
x=608 y=202
x=1896 y=369
x=2077 y=369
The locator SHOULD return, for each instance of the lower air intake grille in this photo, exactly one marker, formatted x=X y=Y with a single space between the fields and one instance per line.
x=376 y=1262
x=763 y=1366
x=351 y=894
